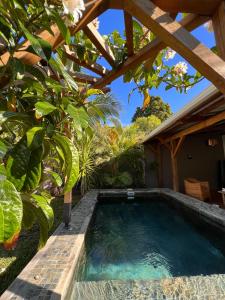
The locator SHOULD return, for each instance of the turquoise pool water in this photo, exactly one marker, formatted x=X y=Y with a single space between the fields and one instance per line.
x=149 y=240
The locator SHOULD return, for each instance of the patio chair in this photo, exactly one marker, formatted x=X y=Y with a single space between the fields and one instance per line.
x=197 y=189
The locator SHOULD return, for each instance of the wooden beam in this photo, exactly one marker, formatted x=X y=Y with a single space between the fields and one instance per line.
x=218 y=20
x=178 y=145
x=201 y=7
x=94 y=67
x=96 y=9
x=99 y=43
x=83 y=78
x=149 y=63
x=197 y=127
x=179 y=39
x=55 y=39
x=190 y=22
x=129 y=33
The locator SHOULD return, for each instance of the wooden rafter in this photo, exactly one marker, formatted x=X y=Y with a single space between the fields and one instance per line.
x=149 y=63
x=201 y=7
x=94 y=67
x=190 y=22
x=219 y=29
x=84 y=78
x=55 y=39
x=197 y=127
x=179 y=39
x=129 y=33
x=99 y=43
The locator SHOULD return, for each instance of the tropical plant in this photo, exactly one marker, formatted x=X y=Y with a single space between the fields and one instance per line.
x=156 y=107
x=41 y=109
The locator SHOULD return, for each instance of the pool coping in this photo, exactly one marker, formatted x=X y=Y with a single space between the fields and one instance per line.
x=50 y=273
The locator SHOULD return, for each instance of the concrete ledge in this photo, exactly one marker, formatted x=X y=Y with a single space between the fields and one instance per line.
x=50 y=274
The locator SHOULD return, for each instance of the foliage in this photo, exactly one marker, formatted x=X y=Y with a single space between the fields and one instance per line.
x=51 y=131
x=113 y=156
x=41 y=111
x=156 y=107
x=149 y=75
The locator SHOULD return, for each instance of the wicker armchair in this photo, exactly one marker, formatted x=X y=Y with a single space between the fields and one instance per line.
x=197 y=189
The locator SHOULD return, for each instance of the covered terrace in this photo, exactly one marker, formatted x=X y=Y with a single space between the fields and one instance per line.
x=190 y=144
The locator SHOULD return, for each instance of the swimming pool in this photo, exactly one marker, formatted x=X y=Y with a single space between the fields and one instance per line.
x=148 y=238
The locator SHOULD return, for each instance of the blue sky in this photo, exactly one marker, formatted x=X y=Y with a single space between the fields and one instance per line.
x=112 y=20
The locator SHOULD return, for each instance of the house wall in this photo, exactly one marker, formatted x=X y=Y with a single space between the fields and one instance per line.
x=198 y=160
x=151 y=179
x=195 y=159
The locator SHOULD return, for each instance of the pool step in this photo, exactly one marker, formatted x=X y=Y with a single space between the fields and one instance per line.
x=130 y=194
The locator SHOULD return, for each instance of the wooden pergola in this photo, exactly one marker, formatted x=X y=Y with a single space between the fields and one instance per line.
x=159 y=16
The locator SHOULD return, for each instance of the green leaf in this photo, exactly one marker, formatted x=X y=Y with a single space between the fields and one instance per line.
x=14 y=116
x=42 y=213
x=79 y=115
x=11 y=212
x=56 y=178
x=62 y=27
x=58 y=66
x=3 y=149
x=71 y=158
x=92 y=92
x=42 y=48
x=43 y=203
x=44 y=108
x=24 y=166
x=29 y=217
x=35 y=137
x=34 y=170
x=17 y=163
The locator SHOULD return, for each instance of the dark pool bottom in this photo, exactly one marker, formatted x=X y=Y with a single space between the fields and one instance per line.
x=149 y=239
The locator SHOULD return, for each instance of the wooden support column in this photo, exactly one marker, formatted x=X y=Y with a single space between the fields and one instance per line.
x=67 y=207
x=218 y=20
x=160 y=166
x=174 y=147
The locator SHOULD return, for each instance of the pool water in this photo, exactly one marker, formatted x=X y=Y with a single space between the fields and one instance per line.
x=144 y=240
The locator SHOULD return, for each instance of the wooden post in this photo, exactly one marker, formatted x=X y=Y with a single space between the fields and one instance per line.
x=67 y=207
x=174 y=172
x=174 y=149
x=160 y=166
x=218 y=20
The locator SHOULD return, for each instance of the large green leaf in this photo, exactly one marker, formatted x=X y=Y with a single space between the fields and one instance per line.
x=44 y=108
x=41 y=47
x=34 y=170
x=35 y=137
x=17 y=163
x=42 y=213
x=43 y=203
x=24 y=164
x=29 y=217
x=79 y=115
x=11 y=212
x=71 y=158
x=14 y=116
x=62 y=27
